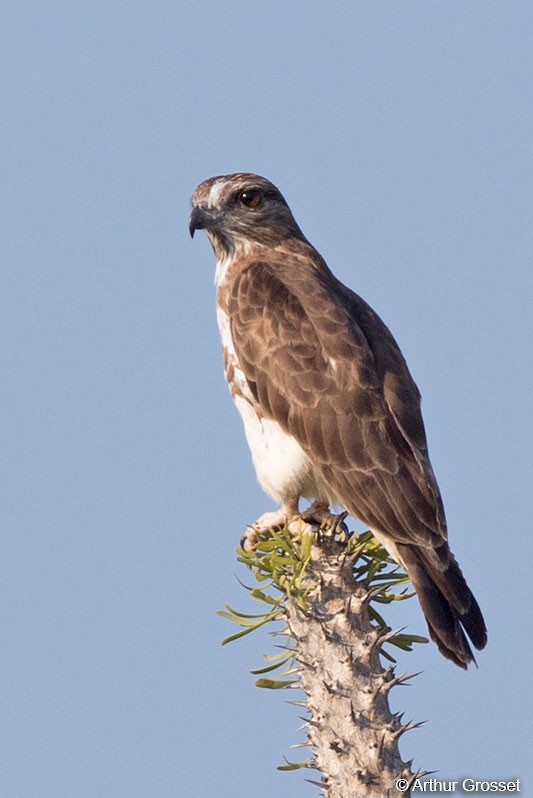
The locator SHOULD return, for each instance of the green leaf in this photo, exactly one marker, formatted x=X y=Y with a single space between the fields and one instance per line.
x=307 y=545
x=387 y=656
x=246 y=622
x=405 y=642
x=234 y=615
x=260 y=595
x=244 y=632
x=294 y=765
x=269 y=668
x=275 y=684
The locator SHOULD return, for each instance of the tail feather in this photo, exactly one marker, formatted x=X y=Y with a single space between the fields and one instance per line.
x=447 y=603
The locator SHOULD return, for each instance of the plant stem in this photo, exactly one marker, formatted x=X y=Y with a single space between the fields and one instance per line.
x=351 y=727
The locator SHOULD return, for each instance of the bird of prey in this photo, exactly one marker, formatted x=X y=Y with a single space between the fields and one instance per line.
x=330 y=410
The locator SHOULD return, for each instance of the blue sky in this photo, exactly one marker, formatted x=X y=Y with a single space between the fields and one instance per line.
x=400 y=133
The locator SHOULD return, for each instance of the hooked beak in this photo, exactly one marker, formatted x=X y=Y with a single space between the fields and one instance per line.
x=198 y=220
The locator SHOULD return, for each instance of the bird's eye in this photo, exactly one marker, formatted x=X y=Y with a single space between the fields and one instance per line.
x=251 y=198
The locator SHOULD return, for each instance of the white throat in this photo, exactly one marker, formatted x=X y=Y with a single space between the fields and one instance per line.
x=225 y=259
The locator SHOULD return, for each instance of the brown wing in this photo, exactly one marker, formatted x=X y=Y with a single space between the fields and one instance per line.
x=322 y=364
x=325 y=367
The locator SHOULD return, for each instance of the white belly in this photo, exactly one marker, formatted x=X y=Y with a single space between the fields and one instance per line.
x=283 y=468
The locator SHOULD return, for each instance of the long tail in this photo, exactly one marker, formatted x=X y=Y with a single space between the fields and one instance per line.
x=446 y=600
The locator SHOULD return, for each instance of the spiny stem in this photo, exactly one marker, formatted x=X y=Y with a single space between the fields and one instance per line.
x=322 y=588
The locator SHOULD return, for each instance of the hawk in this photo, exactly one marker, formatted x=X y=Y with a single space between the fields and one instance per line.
x=330 y=410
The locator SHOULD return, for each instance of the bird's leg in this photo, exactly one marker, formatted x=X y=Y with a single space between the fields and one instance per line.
x=317 y=513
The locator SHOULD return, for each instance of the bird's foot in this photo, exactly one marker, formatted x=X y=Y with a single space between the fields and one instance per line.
x=273 y=522
x=265 y=523
x=328 y=523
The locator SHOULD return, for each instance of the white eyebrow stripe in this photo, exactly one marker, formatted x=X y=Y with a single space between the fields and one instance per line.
x=215 y=192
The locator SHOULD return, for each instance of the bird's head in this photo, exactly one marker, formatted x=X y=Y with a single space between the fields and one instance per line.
x=239 y=210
